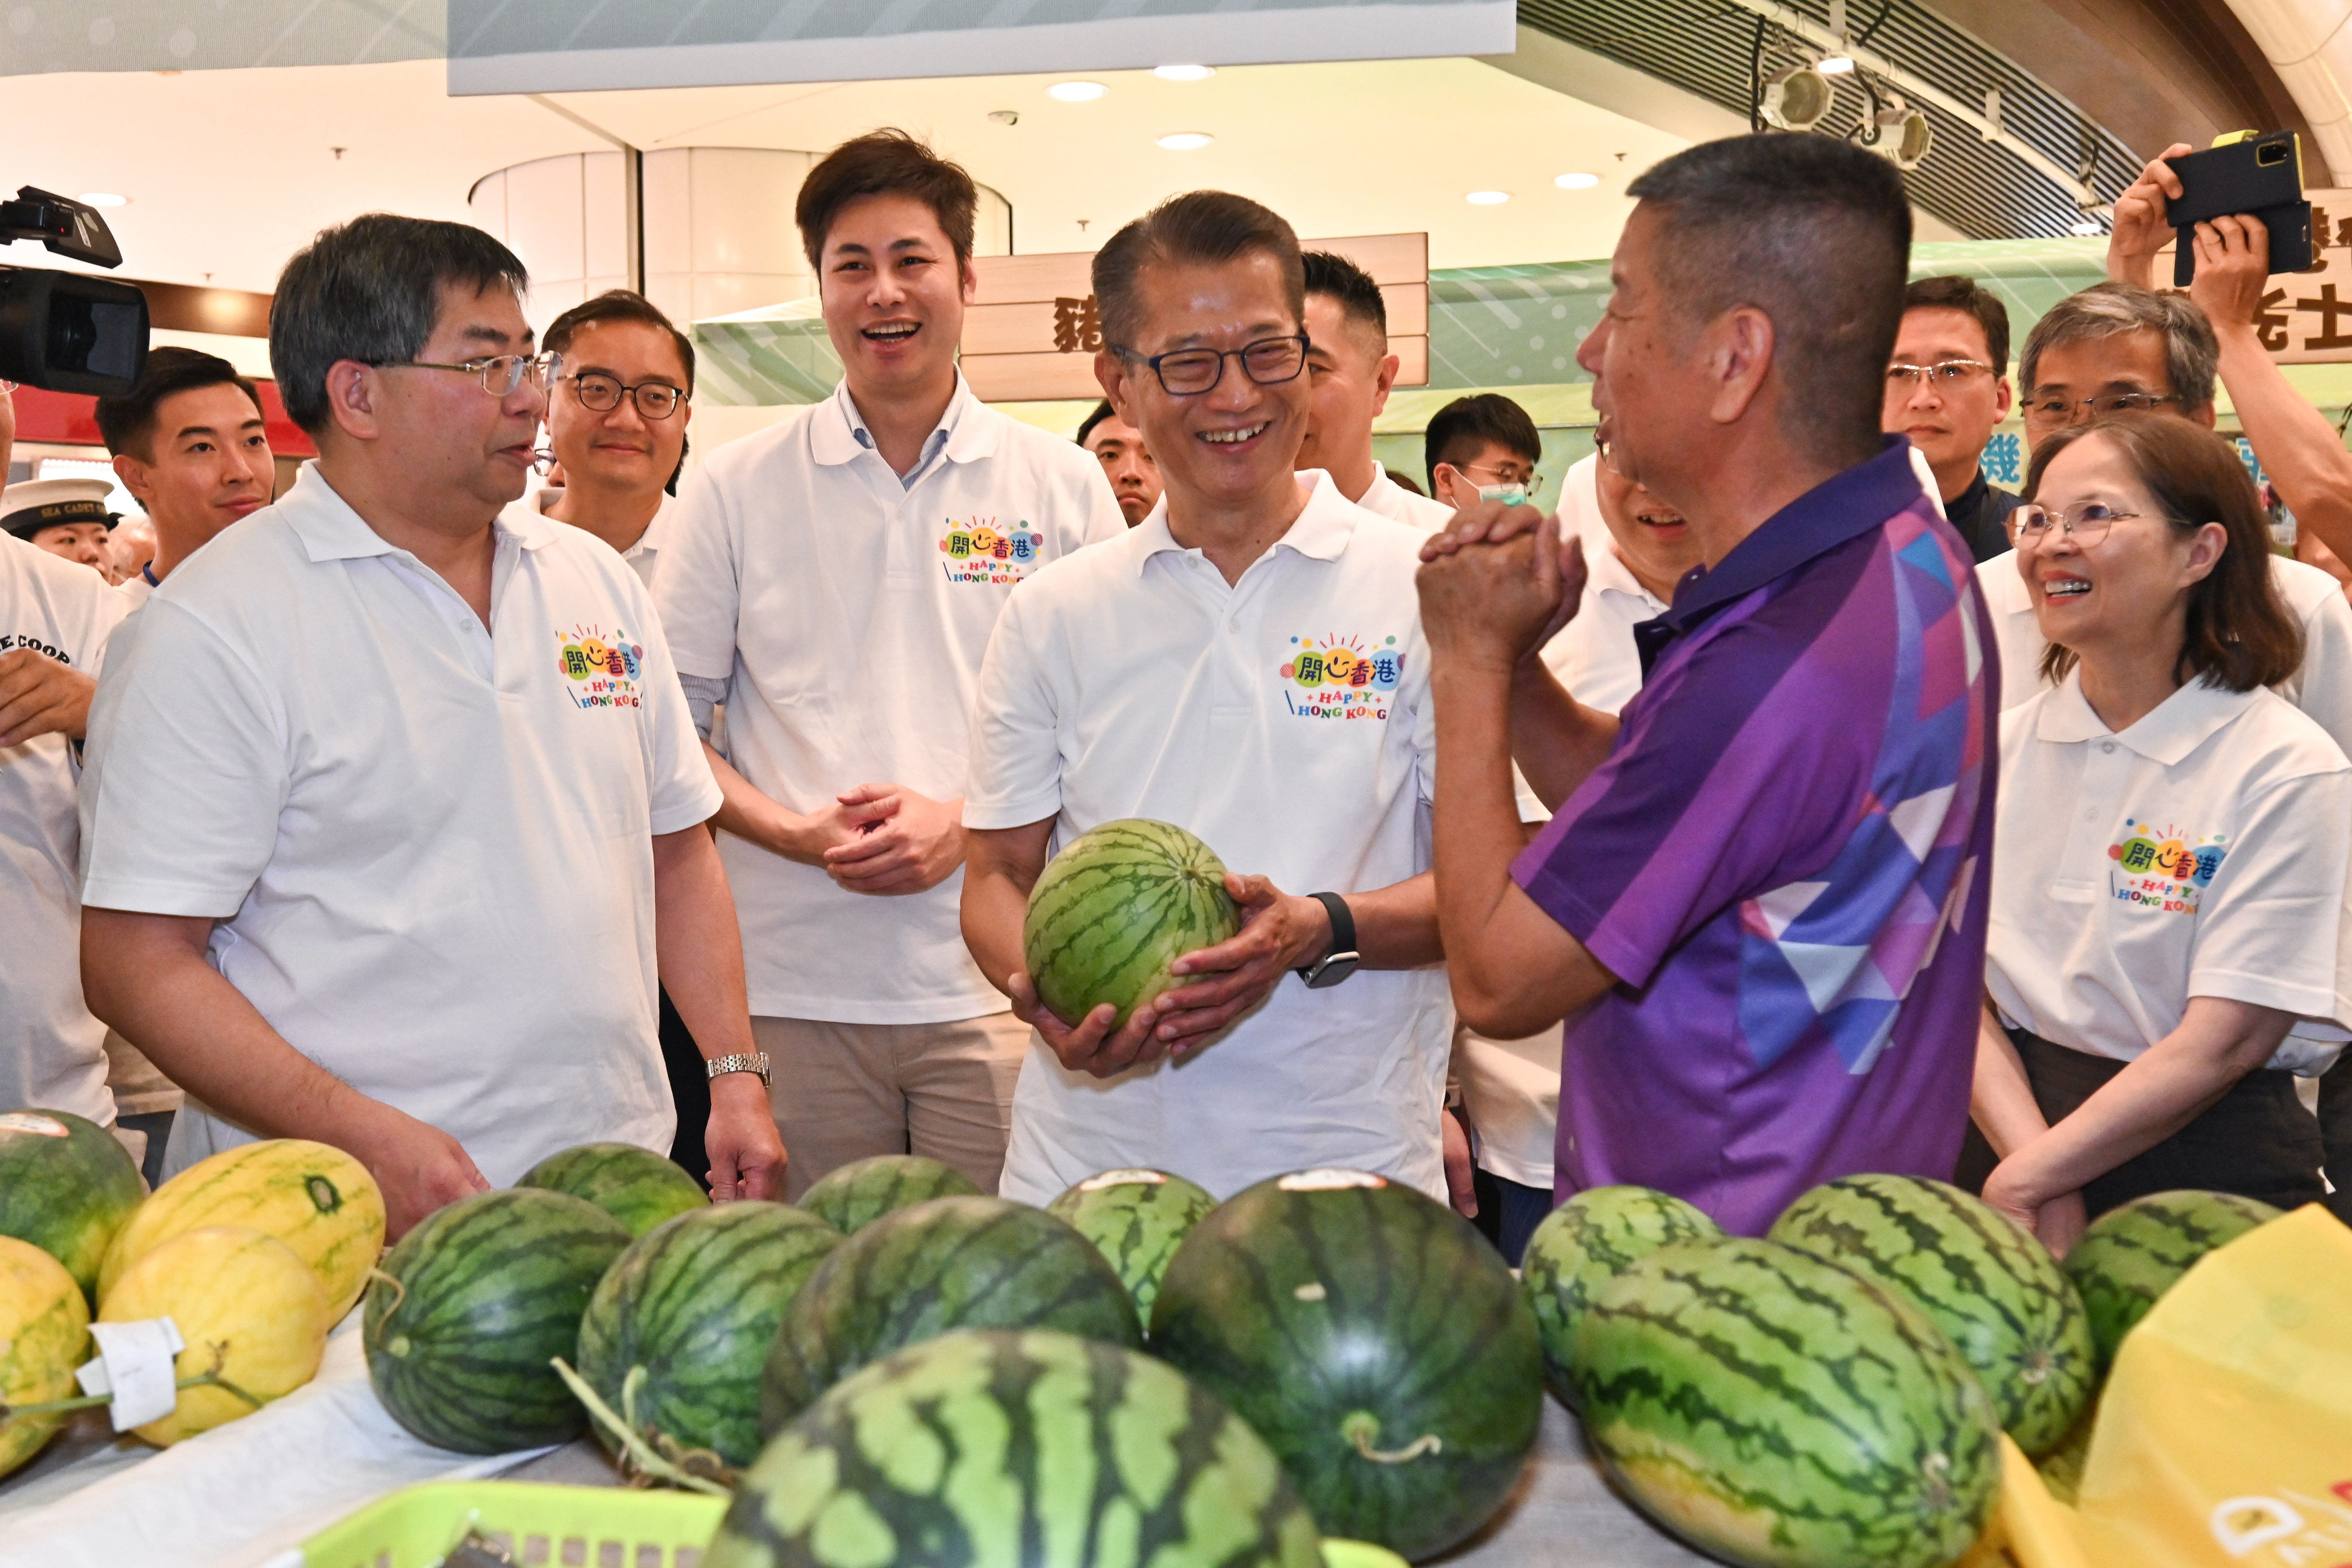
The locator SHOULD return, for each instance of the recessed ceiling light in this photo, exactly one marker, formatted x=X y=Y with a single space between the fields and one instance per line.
x=2087 y=228
x=1834 y=65
x=1077 y=92
x=1185 y=141
x=1487 y=199
x=1184 y=73
x=103 y=199
x=1577 y=182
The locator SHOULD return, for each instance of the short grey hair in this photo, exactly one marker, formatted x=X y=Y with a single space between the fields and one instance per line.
x=371 y=291
x=2192 y=356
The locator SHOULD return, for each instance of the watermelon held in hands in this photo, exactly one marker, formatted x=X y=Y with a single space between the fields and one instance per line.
x=1038 y=1448
x=66 y=1187
x=635 y=1186
x=1373 y=1339
x=1109 y=913
x=1994 y=1290
x=2130 y=1256
x=851 y=1197
x=1782 y=1411
x=1136 y=1219
x=951 y=1263
x=44 y=1336
x=691 y=1308
x=472 y=1306
x=1584 y=1244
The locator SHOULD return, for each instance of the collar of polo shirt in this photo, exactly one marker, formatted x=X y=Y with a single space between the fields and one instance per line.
x=1321 y=529
x=832 y=436
x=2166 y=734
x=336 y=533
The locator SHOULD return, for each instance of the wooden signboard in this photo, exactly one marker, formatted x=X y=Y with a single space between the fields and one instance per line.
x=2306 y=316
x=1032 y=330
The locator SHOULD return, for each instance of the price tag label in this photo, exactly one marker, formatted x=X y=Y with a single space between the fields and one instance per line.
x=136 y=1364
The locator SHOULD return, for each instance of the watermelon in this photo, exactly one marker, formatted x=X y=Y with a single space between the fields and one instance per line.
x=2130 y=1256
x=695 y=1302
x=1109 y=913
x=635 y=1186
x=951 y=1263
x=44 y=1336
x=849 y=1197
x=1995 y=1291
x=250 y=1311
x=1136 y=1219
x=313 y=1197
x=1039 y=1449
x=1782 y=1411
x=68 y=1187
x=1373 y=1339
x=473 y=1305
x=1584 y=1244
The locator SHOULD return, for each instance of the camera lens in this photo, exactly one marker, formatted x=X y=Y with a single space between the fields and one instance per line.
x=72 y=335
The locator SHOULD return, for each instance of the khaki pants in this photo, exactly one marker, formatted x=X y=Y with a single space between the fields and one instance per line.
x=846 y=1091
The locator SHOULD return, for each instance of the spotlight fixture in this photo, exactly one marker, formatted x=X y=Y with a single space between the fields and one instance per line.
x=1577 y=182
x=1186 y=141
x=1184 y=73
x=1487 y=199
x=1904 y=138
x=1796 y=97
x=1077 y=92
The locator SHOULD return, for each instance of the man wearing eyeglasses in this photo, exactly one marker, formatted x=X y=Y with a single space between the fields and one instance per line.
x=1945 y=391
x=393 y=809
x=616 y=421
x=1247 y=664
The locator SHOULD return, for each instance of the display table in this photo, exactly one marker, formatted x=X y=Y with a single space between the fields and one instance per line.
x=246 y=1495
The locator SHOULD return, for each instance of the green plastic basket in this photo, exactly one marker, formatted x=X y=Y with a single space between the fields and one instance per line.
x=573 y=1526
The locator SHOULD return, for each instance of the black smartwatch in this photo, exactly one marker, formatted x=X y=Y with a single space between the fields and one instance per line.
x=1341 y=960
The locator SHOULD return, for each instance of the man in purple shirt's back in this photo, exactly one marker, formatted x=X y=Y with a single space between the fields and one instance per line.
x=1760 y=903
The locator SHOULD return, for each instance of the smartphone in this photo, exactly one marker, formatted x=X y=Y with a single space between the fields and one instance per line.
x=2246 y=177
x=2290 y=242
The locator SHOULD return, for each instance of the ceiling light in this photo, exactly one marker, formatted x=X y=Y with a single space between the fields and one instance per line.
x=1184 y=73
x=1577 y=182
x=103 y=199
x=1185 y=141
x=1797 y=98
x=1077 y=92
x=2087 y=228
x=1487 y=199
x=1905 y=137
x=1834 y=64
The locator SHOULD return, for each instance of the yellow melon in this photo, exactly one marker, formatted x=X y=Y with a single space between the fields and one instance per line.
x=313 y=1197
x=250 y=1311
x=44 y=1336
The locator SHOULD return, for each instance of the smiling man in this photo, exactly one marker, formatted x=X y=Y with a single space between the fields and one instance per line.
x=1247 y=664
x=834 y=581
x=393 y=809
x=188 y=442
x=1947 y=388
x=616 y=421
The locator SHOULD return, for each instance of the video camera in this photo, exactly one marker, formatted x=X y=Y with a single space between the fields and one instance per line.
x=64 y=330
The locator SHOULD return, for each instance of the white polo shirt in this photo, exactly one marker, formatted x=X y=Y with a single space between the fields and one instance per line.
x=2200 y=852
x=429 y=843
x=848 y=611
x=52 y=1052
x=2321 y=688
x=1398 y=504
x=1130 y=680
x=644 y=555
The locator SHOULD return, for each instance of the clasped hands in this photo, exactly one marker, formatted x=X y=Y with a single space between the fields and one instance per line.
x=1496 y=584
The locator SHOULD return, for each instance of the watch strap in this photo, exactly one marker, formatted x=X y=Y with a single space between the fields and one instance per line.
x=1343 y=923
x=754 y=1061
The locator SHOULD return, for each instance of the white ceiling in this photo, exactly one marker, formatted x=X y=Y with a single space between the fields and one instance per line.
x=230 y=171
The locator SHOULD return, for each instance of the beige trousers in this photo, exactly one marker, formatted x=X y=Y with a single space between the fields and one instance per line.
x=846 y=1091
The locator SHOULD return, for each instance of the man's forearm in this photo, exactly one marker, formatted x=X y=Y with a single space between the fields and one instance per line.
x=1477 y=819
x=749 y=815
x=1556 y=739
x=2293 y=441
x=2000 y=1098
x=992 y=912
x=1396 y=926
x=698 y=947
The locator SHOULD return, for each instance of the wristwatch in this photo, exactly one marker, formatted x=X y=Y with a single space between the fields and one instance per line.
x=1341 y=960
x=757 y=1061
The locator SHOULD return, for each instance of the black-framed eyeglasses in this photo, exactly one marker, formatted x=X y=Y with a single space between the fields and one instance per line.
x=2085 y=525
x=655 y=399
x=501 y=374
x=1944 y=372
x=1187 y=373
x=2061 y=410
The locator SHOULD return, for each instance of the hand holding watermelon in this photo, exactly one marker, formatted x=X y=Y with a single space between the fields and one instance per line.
x=419 y=1167
x=1279 y=932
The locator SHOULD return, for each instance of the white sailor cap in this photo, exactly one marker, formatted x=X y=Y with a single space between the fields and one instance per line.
x=26 y=509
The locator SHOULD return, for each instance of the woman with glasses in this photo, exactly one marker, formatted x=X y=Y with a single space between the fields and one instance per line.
x=2168 y=943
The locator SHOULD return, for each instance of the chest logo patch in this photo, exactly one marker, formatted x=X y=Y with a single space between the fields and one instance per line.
x=981 y=551
x=2163 y=869
x=602 y=668
x=1340 y=677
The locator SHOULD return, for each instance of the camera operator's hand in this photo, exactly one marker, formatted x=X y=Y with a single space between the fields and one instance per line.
x=2233 y=267
x=7 y=425
x=2140 y=230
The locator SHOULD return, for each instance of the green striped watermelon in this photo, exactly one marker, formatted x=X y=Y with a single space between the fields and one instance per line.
x=1136 y=1219
x=1782 y=1411
x=1584 y=1244
x=1038 y=1449
x=1995 y=1291
x=853 y=1195
x=1373 y=1339
x=635 y=1186
x=467 y=1311
x=694 y=1303
x=951 y=1263
x=2131 y=1256
x=66 y=1186
x=1120 y=904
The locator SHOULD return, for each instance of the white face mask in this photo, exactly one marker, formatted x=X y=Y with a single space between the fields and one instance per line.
x=1509 y=495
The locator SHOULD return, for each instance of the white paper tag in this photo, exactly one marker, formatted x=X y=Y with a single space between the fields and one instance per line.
x=1329 y=1180
x=1121 y=1179
x=135 y=1364
x=27 y=1121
